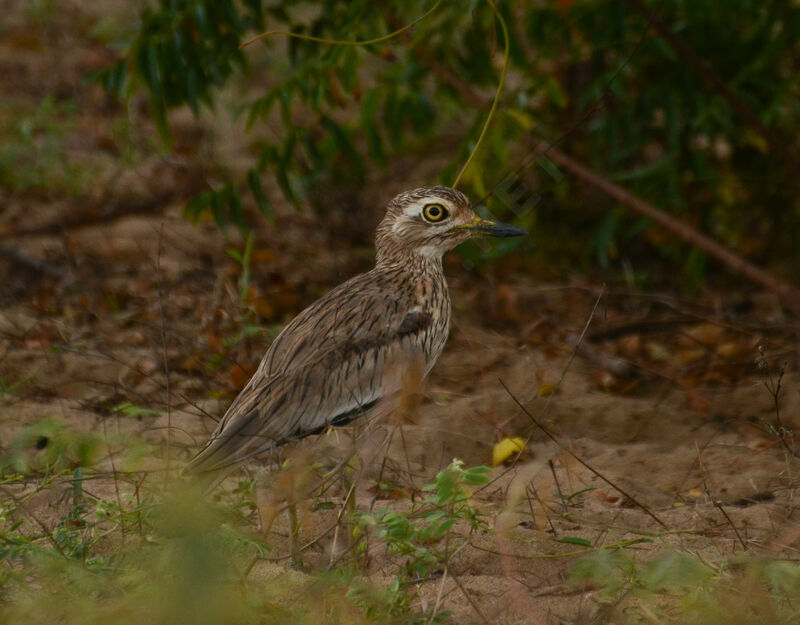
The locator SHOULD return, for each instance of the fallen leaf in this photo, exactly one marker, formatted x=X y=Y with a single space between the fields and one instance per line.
x=698 y=404
x=546 y=389
x=239 y=376
x=630 y=345
x=192 y=363
x=705 y=333
x=213 y=341
x=263 y=308
x=731 y=349
x=508 y=298
x=606 y=498
x=389 y=491
x=656 y=351
x=147 y=366
x=507 y=448
x=688 y=356
x=760 y=445
x=263 y=256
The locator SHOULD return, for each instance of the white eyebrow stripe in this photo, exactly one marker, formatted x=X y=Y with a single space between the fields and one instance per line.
x=415 y=209
x=412 y=210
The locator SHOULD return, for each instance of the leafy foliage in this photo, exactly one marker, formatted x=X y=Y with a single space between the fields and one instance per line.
x=424 y=537
x=591 y=74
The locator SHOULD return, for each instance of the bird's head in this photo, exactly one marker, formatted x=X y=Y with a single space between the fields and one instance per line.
x=430 y=221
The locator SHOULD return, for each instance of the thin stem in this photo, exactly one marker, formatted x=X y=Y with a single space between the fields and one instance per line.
x=499 y=18
x=344 y=42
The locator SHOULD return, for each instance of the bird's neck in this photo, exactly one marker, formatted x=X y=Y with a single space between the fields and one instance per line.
x=420 y=260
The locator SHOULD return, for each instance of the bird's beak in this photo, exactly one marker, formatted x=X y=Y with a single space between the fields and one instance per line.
x=484 y=227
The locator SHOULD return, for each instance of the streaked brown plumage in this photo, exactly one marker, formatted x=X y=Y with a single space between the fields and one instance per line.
x=346 y=351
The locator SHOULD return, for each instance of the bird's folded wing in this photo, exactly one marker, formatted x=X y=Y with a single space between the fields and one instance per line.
x=319 y=371
x=359 y=309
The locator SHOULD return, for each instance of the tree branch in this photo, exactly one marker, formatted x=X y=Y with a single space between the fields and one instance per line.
x=124 y=207
x=38 y=266
x=789 y=293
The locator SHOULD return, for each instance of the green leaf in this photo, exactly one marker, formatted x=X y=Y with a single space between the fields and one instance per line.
x=129 y=409
x=574 y=540
x=477 y=476
x=198 y=205
x=254 y=182
x=671 y=571
x=609 y=569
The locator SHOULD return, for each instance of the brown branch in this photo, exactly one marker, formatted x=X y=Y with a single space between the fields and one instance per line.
x=715 y=83
x=789 y=293
x=471 y=601
x=124 y=207
x=38 y=266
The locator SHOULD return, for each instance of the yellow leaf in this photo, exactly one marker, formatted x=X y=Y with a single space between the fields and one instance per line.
x=545 y=390
x=506 y=448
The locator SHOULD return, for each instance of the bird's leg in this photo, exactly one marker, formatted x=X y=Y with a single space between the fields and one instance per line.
x=287 y=487
x=294 y=537
x=294 y=483
x=349 y=478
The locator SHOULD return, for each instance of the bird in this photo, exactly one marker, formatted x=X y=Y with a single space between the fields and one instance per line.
x=338 y=358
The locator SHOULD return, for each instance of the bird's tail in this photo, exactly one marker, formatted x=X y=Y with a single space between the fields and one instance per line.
x=210 y=466
x=219 y=458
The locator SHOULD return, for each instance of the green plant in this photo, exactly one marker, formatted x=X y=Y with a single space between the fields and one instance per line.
x=243 y=258
x=129 y=409
x=678 y=587
x=423 y=537
x=123 y=552
x=48 y=447
x=11 y=387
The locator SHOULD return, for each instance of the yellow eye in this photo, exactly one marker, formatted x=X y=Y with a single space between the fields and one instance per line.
x=434 y=213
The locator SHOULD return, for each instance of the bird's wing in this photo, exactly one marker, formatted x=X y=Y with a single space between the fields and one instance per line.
x=333 y=362
x=367 y=307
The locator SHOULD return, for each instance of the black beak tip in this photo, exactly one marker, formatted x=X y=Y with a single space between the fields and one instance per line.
x=502 y=231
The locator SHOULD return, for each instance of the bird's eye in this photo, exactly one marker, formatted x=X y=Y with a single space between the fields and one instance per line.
x=434 y=213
